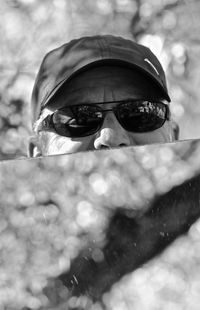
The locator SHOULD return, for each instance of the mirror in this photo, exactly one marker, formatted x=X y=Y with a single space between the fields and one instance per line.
x=102 y=230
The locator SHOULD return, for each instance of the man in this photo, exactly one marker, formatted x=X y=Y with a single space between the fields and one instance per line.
x=99 y=92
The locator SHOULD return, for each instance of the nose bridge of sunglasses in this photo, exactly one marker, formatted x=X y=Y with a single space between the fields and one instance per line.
x=107 y=106
x=102 y=110
x=110 y=119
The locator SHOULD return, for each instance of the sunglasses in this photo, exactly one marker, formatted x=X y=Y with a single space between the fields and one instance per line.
x=137 y=116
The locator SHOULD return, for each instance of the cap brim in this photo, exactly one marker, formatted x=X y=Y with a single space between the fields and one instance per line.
x=50 y=102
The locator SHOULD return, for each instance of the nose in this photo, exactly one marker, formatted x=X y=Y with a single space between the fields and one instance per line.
x=111 y=134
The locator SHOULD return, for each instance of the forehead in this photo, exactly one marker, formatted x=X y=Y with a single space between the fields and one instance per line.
x=106 y=83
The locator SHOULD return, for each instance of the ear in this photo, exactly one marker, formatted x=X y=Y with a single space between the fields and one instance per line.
x=34 y=149
x=175 y=130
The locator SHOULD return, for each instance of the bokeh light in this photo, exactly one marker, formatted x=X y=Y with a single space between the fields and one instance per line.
x=46 y=223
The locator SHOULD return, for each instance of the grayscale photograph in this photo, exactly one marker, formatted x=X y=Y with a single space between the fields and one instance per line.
x=100 y=155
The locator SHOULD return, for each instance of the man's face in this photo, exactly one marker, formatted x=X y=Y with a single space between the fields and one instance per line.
x=94 y=86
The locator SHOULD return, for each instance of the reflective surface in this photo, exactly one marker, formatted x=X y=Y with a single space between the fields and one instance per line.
x=102 y=230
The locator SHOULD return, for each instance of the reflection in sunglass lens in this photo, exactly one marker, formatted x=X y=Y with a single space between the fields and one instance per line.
x=142 y=116
x=77 y=121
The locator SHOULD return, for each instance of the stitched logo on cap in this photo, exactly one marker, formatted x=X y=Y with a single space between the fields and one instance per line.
x=149 y=62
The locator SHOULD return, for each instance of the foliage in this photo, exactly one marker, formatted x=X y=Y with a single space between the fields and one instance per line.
x=48 y=219
x=29 y=29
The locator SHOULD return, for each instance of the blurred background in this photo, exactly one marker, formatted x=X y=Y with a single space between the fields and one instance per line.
x=30 y=28
x=86 y=232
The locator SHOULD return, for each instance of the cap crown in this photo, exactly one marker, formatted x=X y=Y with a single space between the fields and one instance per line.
x=64 y=62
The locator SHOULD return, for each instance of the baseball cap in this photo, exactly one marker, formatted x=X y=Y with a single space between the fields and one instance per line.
x=64 y=62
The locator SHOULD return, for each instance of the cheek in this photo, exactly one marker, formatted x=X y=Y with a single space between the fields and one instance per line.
x=53 y=144
x=161 y=135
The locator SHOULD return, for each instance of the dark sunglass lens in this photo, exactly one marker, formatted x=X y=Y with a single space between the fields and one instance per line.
x=141 y=116
x=77 y=121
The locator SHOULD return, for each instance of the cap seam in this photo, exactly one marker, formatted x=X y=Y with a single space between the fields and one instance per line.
x=98 y=40
x=106 y=46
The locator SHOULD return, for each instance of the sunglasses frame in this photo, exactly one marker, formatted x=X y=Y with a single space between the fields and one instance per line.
x=48 y=123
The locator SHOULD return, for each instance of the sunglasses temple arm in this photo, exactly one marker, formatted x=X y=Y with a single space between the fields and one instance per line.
x=168 y=113
x=45 y=124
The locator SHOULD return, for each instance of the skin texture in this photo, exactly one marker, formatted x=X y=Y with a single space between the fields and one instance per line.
x=97 y=85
